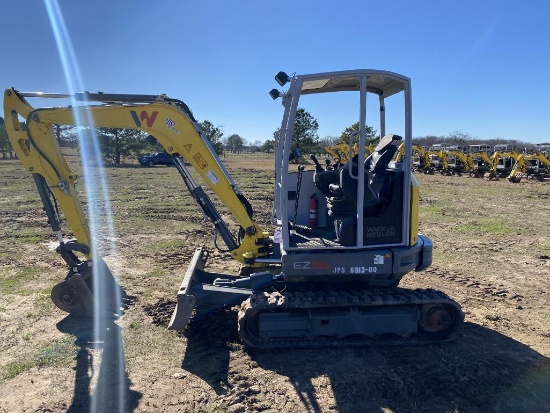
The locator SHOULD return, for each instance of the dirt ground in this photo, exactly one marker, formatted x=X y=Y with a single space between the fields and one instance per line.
x=491 y=255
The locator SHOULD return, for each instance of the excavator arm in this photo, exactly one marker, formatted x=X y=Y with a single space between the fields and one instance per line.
x=169 y=121
x=521 y=167
x=465 y=160
x=39 y=152
x=415 y=149
x=539 y=156
x=172 y=124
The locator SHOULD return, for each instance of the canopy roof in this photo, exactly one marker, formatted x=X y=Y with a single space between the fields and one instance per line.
x=380 y=82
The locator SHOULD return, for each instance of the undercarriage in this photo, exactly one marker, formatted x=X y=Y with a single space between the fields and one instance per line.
x=388 y=316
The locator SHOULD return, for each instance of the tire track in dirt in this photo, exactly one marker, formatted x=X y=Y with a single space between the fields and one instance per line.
x=498 y=305
x=479 y=288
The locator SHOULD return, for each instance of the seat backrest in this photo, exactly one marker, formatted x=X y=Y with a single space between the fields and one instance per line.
x=374 y=169
x=378 y=160
x=377 y=163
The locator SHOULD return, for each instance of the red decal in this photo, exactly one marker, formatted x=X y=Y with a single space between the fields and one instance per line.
x=149 y=120
x=320 y=265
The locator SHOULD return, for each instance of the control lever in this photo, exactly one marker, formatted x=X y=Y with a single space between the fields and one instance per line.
x=318 y=167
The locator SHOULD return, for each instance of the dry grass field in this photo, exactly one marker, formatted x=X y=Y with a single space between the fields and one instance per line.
x=492 y=255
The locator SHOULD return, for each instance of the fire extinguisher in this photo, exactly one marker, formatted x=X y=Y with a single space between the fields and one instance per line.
x=313 y=211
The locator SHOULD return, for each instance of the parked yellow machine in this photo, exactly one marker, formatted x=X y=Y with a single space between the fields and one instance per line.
x=534 y=165
x=340 y=152
x=329 y=283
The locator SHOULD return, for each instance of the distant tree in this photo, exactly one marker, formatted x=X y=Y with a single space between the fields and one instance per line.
x=353 y=133
x=65 y=135
x=86 y=139
x=304 y=133
x=235 y=144
x=428 y=140
x=5 y=144
x=268 y=146
x=117 y=143
x=328 y=141
x=213 y=134
x=256 y=145
x=459 y=137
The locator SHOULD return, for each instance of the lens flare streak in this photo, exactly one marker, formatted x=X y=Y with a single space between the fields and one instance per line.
x=99 y=214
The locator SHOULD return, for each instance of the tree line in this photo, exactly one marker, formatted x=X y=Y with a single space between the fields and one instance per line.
x=120 y=145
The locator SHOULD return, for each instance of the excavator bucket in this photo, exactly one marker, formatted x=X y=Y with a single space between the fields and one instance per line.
x=75 y=295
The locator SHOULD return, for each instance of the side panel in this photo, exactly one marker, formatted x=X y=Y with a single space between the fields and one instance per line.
x=352 y=265
x=307 y=189
x=379 y=267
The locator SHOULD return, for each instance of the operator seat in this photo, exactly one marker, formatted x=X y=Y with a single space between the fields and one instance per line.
x=375 y=171
x=382 y=201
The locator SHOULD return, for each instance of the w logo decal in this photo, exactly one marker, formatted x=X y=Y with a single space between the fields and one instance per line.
x=144 y=117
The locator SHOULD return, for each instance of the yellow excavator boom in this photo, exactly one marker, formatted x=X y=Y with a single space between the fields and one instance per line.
x=169 y=121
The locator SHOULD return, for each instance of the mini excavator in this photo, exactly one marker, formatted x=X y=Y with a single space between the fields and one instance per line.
x=343 y=235
x=535 y=165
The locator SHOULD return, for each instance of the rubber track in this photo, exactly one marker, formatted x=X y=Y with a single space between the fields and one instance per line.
x=267 y=302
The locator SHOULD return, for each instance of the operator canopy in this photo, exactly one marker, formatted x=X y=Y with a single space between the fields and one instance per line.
x=381 y=85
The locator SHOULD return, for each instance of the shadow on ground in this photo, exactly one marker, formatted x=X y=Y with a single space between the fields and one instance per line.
x=208 y=349
x=481 y=371
x=111 y=392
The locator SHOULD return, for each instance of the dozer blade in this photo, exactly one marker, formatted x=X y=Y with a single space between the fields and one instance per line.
x=186 y=301
x=203 y=293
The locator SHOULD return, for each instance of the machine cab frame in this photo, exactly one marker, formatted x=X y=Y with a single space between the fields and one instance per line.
x=368 y=84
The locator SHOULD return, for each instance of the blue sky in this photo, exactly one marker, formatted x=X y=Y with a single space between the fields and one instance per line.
x=480 y=67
